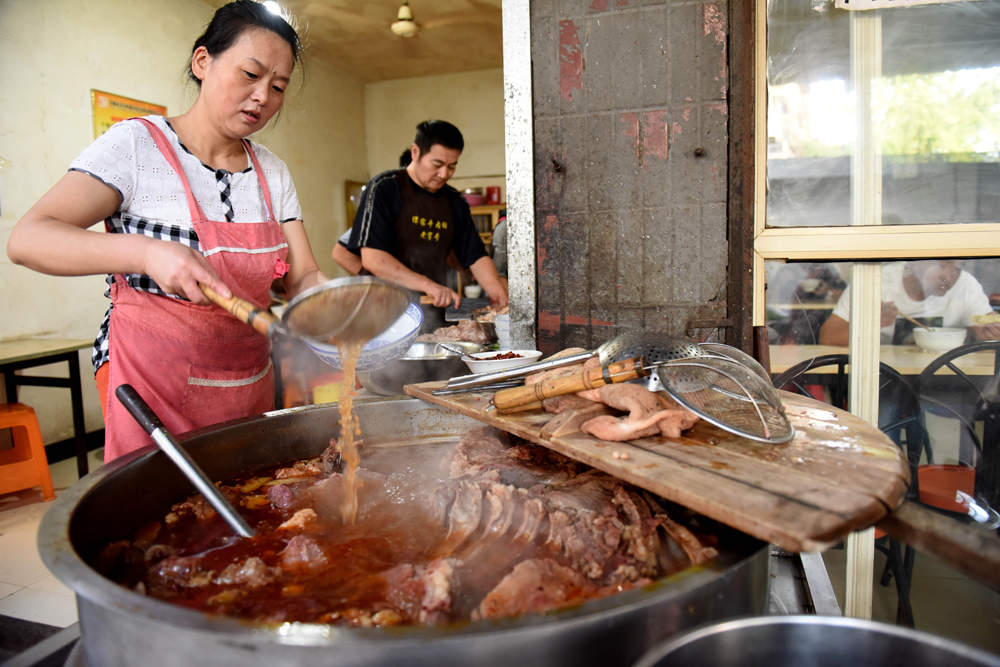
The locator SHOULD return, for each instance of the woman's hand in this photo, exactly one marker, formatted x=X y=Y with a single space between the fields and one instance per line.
x=178 y=269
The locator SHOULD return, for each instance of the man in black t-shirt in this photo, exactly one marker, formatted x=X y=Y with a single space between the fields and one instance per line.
x=351 y=261
x=409 y=219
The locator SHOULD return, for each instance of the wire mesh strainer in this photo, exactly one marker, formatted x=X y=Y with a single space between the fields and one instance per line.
x=737 y=355
x=345 y=310
x=729 y=395
x=339 y=311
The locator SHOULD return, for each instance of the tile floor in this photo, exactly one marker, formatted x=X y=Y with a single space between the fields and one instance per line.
x=944 y=602
x=27 y=590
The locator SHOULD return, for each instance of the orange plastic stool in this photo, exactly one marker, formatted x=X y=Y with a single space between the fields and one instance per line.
x=24 y=465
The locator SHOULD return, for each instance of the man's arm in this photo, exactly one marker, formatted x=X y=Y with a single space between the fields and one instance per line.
x=975 y=302
x=346 y=259
x=387 y=267
x=485 y=272
x=835 y=331
x=985 y=331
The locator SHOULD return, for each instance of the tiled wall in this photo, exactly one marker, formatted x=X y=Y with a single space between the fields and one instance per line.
x=630 y=115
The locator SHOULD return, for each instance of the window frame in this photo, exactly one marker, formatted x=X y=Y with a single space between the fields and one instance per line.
x=865 y=242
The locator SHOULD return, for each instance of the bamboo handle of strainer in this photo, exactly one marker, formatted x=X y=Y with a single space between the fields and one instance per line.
x=510 y=400
x=243 y=310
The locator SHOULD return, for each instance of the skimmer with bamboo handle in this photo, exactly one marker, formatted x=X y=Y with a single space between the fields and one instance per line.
x=343 y=310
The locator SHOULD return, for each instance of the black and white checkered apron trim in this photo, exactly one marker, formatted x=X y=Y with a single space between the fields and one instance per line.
x=222 y=180
x=123 y=223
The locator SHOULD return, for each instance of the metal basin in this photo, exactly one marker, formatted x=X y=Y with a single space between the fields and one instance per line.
x=121 y=628
x=813 y=641
x=423 y=362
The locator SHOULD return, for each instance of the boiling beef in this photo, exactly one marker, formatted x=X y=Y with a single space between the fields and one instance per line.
x=281 y=496
x=251 y=573
x=302 y=554
x=300 y=520
x=489 y=527
x=535 y=585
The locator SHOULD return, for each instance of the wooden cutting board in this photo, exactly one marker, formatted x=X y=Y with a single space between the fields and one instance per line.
x=838 y=474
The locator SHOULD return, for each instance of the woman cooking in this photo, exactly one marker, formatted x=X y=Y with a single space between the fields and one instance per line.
x=186 y=201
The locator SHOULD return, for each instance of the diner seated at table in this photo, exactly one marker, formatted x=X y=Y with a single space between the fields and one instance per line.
x=937 y=293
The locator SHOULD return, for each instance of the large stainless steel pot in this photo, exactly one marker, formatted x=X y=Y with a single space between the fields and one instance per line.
x=121 y=628
x=816 y=641
x=423 y=362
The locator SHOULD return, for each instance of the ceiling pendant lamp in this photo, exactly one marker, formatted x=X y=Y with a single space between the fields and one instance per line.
x=404 y=25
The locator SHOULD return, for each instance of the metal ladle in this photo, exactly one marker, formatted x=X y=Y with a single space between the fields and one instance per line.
x=165 y=440
x=453 y=348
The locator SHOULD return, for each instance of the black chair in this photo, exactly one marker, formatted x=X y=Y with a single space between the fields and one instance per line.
x=900 y=418
x=971 y=400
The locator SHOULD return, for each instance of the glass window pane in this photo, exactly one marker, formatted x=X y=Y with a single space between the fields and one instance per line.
x=937 y=108
x=932 y=309
x=800 y=296
x=807 y=305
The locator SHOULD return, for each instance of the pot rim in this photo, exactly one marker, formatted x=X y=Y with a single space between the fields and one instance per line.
x=699 y=634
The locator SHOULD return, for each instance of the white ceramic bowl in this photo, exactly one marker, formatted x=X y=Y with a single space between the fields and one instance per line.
x=502 y=326
x=388 y=346
x=473 y=291
x=939 y=339
x=484 y=362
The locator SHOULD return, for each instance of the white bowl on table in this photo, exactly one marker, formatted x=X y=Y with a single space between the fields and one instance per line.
x=486 y=362
x=939 y=339
x=385 y=348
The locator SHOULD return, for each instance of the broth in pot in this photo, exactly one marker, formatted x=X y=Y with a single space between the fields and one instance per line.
x=487 y=527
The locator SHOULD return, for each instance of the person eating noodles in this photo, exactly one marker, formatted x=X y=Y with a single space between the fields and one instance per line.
x=935 y=292
x=186 y=201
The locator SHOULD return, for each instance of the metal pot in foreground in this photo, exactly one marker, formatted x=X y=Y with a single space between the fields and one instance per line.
x=816 y=641
x=121 y=628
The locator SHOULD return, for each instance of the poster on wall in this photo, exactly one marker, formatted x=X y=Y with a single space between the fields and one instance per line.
x=109 y=109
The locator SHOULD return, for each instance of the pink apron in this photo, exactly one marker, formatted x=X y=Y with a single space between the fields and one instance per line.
x=196 y=365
